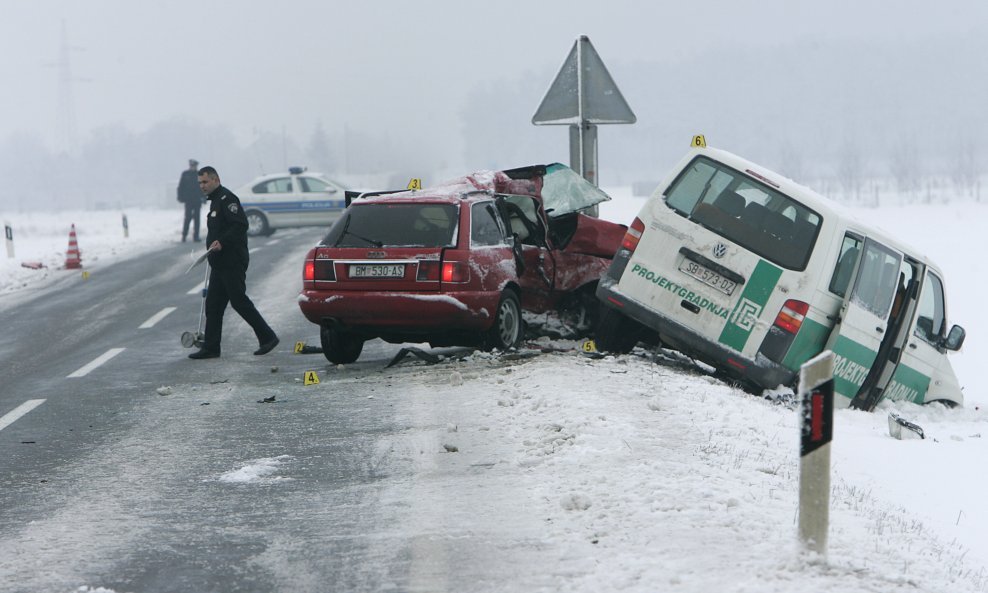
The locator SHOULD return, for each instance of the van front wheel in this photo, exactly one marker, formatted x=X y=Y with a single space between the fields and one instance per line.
x=615 y=332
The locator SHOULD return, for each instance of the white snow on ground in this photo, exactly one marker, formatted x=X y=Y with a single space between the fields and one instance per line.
x=257 y=470
x=640 y=472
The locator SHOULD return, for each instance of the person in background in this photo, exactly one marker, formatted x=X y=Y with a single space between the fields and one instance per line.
x=226 y=237
x=190 y=195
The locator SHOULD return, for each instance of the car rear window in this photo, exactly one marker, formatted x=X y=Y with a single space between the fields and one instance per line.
x=745 y=211
x=395 y=225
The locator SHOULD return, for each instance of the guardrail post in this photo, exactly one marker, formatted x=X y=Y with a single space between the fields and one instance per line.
x=816 y=390
x=9 y=234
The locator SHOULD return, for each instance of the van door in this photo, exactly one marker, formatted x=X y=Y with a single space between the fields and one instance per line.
x=864 y=319
x=923 y=352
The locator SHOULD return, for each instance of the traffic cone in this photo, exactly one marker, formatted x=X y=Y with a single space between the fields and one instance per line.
x=73 y=258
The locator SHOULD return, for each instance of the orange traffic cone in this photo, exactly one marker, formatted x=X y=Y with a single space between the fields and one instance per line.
x=73 y=258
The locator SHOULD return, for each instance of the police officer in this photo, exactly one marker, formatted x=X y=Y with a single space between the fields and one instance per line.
x=226 y=236
x=190 y=195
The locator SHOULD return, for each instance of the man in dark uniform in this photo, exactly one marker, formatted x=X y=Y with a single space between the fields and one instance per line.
x=226 y=236
x=190 y=195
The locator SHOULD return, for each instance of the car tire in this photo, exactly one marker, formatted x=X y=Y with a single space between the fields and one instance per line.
x=615 y=332
x=257 y=224
x=508 y=326
x=340 y=347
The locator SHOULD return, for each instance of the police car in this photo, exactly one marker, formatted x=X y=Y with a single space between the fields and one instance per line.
x=293 y=199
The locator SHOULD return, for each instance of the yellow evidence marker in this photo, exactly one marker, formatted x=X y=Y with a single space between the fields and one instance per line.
x=311 y=378
x=589 y=346
x=414 y=183
x=299 y=346
x=85 y=275
x=699 y=141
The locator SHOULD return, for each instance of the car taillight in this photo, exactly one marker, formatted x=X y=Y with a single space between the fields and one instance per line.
x=633 y=235
x=455 y=271
x=320 y=269
x=428 y=271
x=309 y=271
x=790 y=317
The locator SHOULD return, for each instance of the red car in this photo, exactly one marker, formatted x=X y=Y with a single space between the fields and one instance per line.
x=457 y=263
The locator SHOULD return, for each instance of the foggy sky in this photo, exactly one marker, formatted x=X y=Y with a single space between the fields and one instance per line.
x=402 y=65
x=398 y=69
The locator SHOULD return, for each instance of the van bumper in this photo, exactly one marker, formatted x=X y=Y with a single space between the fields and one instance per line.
x=761 y=371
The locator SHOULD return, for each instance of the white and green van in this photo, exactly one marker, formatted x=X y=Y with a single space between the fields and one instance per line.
x=754 y=274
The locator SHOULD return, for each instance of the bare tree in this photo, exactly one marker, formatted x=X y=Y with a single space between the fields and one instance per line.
x=964 y=167
x=850 y=169
x=904 y=165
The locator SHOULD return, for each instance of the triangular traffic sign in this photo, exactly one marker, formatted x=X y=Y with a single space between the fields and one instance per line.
x=583 y=92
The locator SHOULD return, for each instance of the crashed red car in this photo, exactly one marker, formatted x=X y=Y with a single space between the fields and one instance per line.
x=456 y=264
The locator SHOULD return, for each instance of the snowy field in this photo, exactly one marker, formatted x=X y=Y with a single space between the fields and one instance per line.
x=652 y=476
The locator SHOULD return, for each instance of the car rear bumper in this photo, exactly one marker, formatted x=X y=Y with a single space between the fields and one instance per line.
x=762 y=371
x=401 y=311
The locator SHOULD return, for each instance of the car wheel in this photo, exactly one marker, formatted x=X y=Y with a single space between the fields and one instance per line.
x=257 y=224
x=507 y=329
x=615 y=332
x=340 y=347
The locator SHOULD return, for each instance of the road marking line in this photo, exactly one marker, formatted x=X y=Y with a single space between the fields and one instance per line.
x=156 y=318
x=253 y=250
x=198 y=288
x=96 y=363
x=11 y=416
x=274 y=242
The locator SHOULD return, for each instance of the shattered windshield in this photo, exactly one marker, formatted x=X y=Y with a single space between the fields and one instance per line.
x=564 y=191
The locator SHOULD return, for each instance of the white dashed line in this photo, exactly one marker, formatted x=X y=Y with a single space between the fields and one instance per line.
x=11 y=416
x=156 y=318
x=274 y=241
x=96 y=363
x=253 y=250
x=197 y=289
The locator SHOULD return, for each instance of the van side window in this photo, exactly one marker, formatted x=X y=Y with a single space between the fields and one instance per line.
x=849 y=251
x=877 y=278
x=931 y=320
x=746 y=211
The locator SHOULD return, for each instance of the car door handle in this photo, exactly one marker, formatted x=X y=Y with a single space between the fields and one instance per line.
x=880 y=329
x=912 y=345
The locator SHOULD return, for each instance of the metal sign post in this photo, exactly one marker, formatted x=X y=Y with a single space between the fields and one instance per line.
x=816 y=390
x=8 y=232
x=582 y=96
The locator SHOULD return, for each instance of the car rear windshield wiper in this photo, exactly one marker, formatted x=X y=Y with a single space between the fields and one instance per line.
x=347 y=231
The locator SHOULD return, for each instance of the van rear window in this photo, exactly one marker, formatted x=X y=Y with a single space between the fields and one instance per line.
x=746 y=211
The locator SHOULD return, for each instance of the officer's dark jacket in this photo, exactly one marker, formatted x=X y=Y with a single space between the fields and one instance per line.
x=188 y=188
x=227 y=223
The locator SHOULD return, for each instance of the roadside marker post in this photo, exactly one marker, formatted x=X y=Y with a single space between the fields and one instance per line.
x=8 y=232
x=816 y=392
x=126 y=228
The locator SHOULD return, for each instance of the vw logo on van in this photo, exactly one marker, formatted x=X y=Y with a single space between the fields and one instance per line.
x=720 y=250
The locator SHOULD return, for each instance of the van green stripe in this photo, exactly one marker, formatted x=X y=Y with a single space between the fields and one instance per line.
x=749 y=307
x=810 y=341
x=851 y=364
x=907 y=384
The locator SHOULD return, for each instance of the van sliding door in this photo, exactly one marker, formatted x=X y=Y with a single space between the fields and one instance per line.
x=864 y=320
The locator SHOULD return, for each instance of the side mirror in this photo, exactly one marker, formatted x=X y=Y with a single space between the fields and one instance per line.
x=955 y=339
